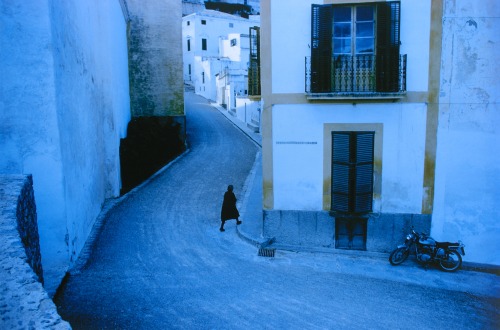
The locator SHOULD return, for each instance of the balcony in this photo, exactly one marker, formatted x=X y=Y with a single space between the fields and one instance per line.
x=355 y=77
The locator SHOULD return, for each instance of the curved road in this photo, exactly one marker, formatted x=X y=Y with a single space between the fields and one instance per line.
x=160 y=261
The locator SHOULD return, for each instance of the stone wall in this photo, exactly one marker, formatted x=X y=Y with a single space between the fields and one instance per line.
x=155 y=58
x=24 y=303
x=317 y=229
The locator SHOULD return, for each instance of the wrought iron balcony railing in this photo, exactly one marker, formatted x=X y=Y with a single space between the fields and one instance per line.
x=356 y=76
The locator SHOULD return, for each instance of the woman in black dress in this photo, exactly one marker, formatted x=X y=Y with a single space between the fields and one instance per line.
x=229 y=210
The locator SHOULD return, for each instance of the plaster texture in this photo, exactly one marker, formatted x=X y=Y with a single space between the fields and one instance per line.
x=468 y=161
x=64 y=108
x=155 y=58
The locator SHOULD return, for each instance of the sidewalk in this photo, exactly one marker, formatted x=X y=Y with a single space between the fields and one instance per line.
x=251 y=204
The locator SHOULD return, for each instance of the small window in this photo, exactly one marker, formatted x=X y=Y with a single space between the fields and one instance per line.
x=231 y=25
x=233 y=42
x=203 y=77
x=188 y=23
x=203 y=44
x=189 y=45
x=203 y=22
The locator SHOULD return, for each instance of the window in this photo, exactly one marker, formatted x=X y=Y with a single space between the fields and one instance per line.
x=203 y=22
x=231 y=25
x=353 y=30
x=188 y=23
x=203 y=44
x=355 y=49
x=352 y=172
x=189 y=45
x=233 y=42
x=203 y=77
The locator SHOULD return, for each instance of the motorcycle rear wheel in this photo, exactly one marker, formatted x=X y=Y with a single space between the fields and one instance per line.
x=452 y=262
x=398 y=256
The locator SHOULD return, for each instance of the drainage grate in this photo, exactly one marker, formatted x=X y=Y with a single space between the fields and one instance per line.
x=263 y=252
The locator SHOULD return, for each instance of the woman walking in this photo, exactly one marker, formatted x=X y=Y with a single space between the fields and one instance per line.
x=229 y=210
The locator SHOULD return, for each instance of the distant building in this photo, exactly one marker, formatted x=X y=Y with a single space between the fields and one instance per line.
x=380 y=115
x=232 y=81
x=204 y=35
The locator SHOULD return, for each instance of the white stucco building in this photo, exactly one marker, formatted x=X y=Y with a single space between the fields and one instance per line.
x=64 y=105
x=205 y=36
x=380 y=115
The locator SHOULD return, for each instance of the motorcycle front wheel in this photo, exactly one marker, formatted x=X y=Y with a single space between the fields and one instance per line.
x=452 y=262
x=398 y=256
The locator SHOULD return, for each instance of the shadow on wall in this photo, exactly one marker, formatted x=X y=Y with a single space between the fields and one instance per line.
x=150 y=144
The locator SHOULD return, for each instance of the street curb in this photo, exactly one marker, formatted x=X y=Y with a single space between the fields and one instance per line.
x=243 y=130
x=483 y=268
x=109 y=204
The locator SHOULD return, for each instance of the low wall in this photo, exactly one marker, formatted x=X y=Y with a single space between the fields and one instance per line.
x=24 y=303
x=316 y=229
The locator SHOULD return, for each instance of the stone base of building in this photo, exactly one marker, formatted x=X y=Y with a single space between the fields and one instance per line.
x=372 y=232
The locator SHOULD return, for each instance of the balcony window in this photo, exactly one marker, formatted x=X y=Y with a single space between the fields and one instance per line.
x=355 y=51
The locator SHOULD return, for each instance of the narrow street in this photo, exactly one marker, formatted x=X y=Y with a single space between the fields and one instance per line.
x=160 y=261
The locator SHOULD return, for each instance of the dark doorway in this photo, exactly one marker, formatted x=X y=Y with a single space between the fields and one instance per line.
x=350 y=233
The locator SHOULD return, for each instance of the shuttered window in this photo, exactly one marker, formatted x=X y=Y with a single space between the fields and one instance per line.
x=353 y=42
x=254 y=63
x=352 y=172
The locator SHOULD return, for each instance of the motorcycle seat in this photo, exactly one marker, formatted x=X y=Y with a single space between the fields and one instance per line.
x=446 y=244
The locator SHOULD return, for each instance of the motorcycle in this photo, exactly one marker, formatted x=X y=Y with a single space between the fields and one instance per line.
x=427 y=250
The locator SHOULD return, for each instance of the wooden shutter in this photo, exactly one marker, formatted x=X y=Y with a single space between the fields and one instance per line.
x=388 y=34
x=352 y=172
x=363 y=186
x=254 y=67
x=321 y=48
x=341 y=145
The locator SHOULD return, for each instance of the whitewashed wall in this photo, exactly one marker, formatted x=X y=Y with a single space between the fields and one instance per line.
x=64 y=108
x=468 y=155
x=298 y=167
